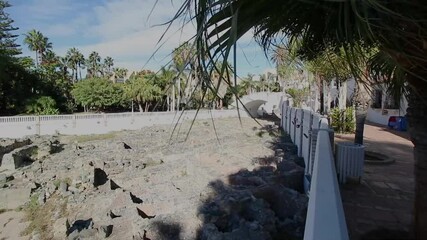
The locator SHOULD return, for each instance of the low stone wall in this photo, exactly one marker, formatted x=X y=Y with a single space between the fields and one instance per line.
x=17 y=127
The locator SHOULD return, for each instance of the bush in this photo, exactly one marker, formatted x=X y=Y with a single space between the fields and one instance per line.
x=342 y=120
x=43 y=105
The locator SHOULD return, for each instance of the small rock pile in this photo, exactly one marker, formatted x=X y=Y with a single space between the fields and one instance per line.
x=266 y=203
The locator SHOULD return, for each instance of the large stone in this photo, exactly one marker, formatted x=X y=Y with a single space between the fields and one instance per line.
x=7 y=146
x=59 y=228
x=290 y=175
x=19 y=157
x=13 y=198
x=285 y=202
x=99 y=177
x=105 y=230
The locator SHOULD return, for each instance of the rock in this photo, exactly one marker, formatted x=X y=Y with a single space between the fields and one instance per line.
x=74 y=190
x=83 y=234
x=36 y=236
x=135 y=199
x=246 y=180
x=4 y=178
x=99 y=177
x=13 y=198
x=142 y=214
x=33 y=186
x=42 y=198
x=288 y=147
x=106 y=230
x=285 y=202
x=290 y=175
x=44 y=150
x=63 y=187
x=114 y=185
x=126 y=146
x=80 y=225
x=19 y=157
x=59 y=228
x=298 y=160
x=210 y=232
x=50 y=188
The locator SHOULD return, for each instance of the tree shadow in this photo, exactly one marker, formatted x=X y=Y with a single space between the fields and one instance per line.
x=167 y=230
x=402 y=134
x=265 y=203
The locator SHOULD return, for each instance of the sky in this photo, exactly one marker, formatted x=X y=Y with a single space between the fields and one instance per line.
x=122 y=29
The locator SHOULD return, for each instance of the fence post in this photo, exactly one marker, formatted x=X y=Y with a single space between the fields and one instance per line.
x=301 y=133
x=74 y=121
x=37 y=125
x=105 y=119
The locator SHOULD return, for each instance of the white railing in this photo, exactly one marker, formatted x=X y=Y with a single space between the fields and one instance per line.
x=20 y=126
x=325 y=215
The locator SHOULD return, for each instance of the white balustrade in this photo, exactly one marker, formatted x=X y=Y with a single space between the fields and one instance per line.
x=79 y=124
x=310 y=132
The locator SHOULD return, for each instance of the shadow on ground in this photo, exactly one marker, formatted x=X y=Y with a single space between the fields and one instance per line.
x=265 y=203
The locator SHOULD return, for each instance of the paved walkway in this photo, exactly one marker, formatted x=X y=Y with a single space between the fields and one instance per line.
x=384 y=199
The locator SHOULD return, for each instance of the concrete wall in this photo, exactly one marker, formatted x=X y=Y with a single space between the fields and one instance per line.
x=381 y=115
x=16 y=127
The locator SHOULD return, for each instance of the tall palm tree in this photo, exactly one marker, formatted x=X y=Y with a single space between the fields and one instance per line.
x=398 y=28
x=108 y=66
x=73 y=61
x=93 y=64
x=63 y=66
x=38 y=43
x=80 y=58
x=169 y=76
x=50 y=58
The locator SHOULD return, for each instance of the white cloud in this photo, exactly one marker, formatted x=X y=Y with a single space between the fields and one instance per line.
x=123 y=29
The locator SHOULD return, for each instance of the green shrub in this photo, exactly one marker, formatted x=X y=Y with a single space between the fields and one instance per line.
x=43 y=105
x=342 y=120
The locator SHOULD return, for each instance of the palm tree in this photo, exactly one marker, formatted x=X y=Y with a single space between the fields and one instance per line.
x=63 y=65
x=38 y=43
x=50 y=58
x=80 y=58
x=93 y=64
x=397 y=28
x=120 y=73
x=73 y=61
x=108 y=66
x=169 y=76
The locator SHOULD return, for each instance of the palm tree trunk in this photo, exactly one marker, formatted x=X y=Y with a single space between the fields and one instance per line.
x=37 y=59
x=72 y=76
x=168 y=102
x=360 y=124
x=322 y=96
x=80 y=72
x=179 y=94
x=417 y=119
x=360 y=101
x=173 y=96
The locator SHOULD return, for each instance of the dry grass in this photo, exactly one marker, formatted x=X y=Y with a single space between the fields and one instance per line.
x=93 y=137
x=41 y=216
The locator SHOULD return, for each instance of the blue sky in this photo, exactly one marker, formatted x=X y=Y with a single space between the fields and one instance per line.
x=122 y=29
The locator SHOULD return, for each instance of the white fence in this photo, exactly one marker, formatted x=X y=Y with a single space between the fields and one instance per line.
x=20 y=126
x=310 y=132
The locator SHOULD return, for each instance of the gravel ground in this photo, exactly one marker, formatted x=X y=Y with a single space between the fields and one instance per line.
x=146 y=184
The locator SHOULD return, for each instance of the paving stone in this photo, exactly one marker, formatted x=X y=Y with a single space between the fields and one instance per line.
x=384 y=199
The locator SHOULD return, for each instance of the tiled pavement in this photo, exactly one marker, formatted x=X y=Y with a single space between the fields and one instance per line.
x=384 y=198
